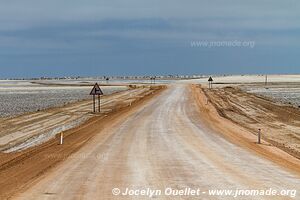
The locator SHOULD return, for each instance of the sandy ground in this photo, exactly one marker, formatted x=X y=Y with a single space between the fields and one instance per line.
x=30 y=129
x=174 y=140
x=238 y=79
x=280 y=124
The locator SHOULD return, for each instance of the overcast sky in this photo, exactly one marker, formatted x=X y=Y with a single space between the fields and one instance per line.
x=138 y=37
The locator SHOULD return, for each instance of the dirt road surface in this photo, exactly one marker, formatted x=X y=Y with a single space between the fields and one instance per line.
x=162 y=144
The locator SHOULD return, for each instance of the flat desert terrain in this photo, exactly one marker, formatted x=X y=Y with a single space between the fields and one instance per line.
x=178 y=135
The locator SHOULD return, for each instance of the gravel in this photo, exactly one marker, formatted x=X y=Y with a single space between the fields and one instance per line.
x=21 y=97
x=286 y=95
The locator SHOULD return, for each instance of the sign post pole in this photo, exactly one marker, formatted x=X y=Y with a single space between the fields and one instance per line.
x=94 y=106
x=98 y=103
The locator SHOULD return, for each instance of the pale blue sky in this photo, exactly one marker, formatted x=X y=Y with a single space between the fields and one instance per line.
x=138 y=37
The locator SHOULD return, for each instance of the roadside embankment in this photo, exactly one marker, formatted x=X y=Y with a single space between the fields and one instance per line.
x=34 y=128
x=238 y=115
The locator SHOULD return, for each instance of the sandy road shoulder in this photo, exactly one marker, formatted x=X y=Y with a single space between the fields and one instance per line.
x=239 y=135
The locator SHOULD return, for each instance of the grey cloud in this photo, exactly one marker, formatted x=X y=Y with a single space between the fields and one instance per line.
x=150 y=29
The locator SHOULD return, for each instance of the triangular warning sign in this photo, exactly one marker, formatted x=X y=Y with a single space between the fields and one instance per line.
x=96 y=90
x=210 y=79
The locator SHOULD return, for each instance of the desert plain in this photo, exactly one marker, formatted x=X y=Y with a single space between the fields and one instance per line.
x=171 y=134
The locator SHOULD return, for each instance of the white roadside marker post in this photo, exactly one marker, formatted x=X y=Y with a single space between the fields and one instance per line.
x=61 y=138
x=259 y=136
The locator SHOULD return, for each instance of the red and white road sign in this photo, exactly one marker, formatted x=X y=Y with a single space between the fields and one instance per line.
x=96 y=90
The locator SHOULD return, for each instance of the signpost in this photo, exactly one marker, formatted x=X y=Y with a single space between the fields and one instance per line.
x=152 y=80
x=210 y=80
x=96 y=91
